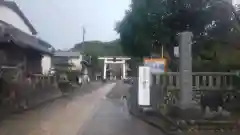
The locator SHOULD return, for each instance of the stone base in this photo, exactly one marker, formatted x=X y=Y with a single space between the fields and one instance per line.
x=192 y=112
x=219 y=114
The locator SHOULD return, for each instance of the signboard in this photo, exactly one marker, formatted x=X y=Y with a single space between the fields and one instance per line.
x=176 y=51
x=157 y=65
x=144 y=86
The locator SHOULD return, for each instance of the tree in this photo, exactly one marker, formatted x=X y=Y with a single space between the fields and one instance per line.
x=152 y=23
x=161 y=21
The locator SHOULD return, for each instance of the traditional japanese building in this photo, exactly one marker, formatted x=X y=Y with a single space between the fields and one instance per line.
x=19 y=45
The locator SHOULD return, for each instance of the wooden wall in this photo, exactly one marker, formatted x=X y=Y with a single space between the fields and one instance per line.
x=28 y=59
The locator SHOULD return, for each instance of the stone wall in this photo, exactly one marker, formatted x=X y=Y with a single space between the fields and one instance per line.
x=21 y=84
x=27 y=93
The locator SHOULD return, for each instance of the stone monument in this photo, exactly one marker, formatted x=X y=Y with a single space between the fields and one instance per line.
x=187 y=108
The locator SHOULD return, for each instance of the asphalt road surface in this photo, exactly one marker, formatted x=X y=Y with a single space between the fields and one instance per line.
x=112 y=117
x=63 y=116
x=96 y=109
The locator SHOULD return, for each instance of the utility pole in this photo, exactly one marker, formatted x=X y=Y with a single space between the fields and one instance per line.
x=162 y=51
x=83 y=38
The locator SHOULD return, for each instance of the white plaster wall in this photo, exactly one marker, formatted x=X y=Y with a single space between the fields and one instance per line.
x=9 y=16
x=80 y=57
x=76 y=62
x=85 y=71
x=46 y=64
x=234 y=2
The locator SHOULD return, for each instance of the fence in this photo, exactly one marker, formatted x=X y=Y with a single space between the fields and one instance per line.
x=41 y=81
x=201 y=80
x=18 y=90
x=165 y=87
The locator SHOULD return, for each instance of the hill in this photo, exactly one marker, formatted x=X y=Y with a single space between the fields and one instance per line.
x=98 y=48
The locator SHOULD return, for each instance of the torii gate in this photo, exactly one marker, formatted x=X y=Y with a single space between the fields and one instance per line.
x=114 y=60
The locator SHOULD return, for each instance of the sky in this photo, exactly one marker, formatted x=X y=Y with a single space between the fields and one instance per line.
x=236 y=2
x=60 y=22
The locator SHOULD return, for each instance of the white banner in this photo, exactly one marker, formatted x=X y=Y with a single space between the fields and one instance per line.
x=144 y=86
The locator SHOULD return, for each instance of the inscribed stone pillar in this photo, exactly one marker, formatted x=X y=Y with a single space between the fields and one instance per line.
x=185 y=43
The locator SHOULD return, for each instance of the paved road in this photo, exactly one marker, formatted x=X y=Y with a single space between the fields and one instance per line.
x=112 y=118
x=96 y=110
x=62 y=116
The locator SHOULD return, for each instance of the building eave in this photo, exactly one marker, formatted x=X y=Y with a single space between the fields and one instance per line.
x=13 y=6
x=9 y=33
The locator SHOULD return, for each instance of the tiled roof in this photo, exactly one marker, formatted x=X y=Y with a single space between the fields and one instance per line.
x=67 y=54
x=10 y=33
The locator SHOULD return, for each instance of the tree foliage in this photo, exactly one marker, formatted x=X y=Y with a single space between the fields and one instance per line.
x=149 y=24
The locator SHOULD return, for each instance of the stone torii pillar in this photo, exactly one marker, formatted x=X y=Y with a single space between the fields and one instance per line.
x=105 y=69
x=124 y=70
